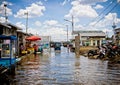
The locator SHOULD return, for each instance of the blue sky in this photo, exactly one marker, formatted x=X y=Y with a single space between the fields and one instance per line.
x=46 y=17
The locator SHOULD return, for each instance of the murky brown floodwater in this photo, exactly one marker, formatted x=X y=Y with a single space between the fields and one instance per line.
x=66 y=69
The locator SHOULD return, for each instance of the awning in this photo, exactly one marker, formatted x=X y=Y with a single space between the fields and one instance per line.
x=12 y=37
x=33 y=38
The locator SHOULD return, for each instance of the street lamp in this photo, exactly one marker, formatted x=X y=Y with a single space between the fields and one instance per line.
x=72 y=22
x=26 y=21
x=67 y=39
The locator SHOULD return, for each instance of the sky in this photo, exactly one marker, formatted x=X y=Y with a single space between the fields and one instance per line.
x=47 y=17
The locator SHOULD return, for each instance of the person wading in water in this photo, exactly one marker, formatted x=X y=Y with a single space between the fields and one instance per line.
x=35 y=48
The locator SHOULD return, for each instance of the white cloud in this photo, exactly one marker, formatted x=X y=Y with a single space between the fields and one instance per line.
x=35 y=10
x=33 y=31
x=51 y=22
x=105 y=24
x=64 y=2
x=118 y=1
x=118 y=21
x=38 y=23
x=79 y=10
x=39 y=3
x=75 y=3
x=8 y=3
x=91 y=1
x=84 y=13
x=29 y=30
x=54 y=31
x=111 y=16
x=2 y=19
x=98 y=6
x=105 y=21
x=52 y=28
x=21 y=25
x=8 y=10
x=79 y=27
x=57 y=33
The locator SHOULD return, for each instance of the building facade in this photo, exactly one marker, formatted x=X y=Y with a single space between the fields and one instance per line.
x=117 y=36
x=91 y=38
x=9 y=29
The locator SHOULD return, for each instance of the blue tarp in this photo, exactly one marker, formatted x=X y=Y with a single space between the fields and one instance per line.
x=12 y=37
x=6 y=61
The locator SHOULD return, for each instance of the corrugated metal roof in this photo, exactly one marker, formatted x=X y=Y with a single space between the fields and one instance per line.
x=18 y=28
x=117 y=30
x=5 y=25
x=90 y=33
x=9 y=25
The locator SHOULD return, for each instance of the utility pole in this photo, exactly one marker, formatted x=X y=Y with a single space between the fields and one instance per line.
x=67 y=32
x=5 y=5
x=26 y=21
x=72 y=25
x=72 y=22
x=67 y=39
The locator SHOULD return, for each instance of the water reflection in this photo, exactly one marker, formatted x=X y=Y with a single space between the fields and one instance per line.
x=65 y=69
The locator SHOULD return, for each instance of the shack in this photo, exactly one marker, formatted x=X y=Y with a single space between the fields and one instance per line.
x=7 y=52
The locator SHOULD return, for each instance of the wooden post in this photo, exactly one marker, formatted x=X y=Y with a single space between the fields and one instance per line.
x=77 y=44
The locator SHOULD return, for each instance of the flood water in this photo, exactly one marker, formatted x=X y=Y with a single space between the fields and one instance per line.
x=65 y=69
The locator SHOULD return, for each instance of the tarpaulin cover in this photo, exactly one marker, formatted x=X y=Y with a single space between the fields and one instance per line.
x=12 y=37
x=33 y=38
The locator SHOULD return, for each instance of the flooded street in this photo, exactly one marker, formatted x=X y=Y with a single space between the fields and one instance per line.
x=30 y=31
x=65 y=69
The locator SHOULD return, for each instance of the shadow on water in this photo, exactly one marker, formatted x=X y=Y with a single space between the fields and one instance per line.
x=65 y=68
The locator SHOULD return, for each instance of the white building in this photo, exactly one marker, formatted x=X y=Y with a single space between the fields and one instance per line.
x=45 y=41
x=90 y=38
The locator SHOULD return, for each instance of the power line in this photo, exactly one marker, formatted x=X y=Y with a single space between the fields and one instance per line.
x=102 y=11
x=106 y=14
x=106 y=8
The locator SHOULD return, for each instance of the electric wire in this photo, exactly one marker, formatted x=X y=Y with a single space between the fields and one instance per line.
x=102 y=11
x=105 y=14
x=106 y=8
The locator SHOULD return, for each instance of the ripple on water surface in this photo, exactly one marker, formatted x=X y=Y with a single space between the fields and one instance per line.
x=66 y=69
